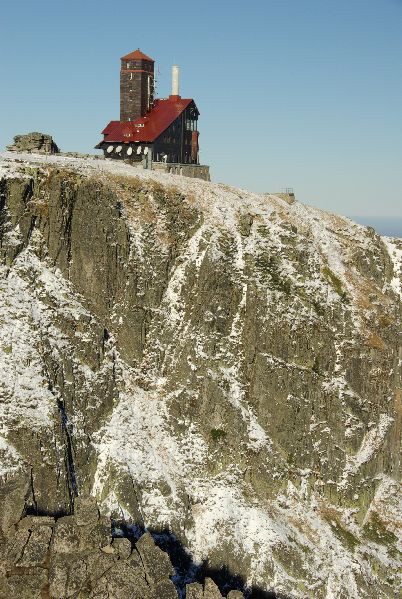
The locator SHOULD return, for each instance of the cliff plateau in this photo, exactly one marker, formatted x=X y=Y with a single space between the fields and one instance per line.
x=203 y=360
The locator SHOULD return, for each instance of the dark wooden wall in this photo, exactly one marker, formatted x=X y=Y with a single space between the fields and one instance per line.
x=175 y=141
x=136 y=94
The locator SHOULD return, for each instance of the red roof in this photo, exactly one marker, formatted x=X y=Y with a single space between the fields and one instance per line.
x=149 y=127
x=137 y=55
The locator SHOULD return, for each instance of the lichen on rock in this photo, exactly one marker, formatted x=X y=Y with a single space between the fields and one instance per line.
x=221 y=364
x=38 y=143
x=75 y=556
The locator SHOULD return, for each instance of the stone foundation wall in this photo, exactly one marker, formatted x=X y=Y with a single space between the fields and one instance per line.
x=195 y=171
x=290 y=198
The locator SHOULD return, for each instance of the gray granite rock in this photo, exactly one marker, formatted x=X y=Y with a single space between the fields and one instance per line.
x=75 y=556
x=156 y=563
x=211 y=591
x=38 y=143
x=194 y=591
x=122 y=547
x=257 y=344
x=86 y=510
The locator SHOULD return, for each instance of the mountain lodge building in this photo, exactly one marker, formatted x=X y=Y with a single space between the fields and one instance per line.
x=152 y=131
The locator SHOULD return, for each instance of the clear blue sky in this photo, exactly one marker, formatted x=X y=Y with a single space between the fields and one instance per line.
x=298 y=93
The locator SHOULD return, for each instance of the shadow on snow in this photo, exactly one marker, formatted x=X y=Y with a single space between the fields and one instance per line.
x=186 y=571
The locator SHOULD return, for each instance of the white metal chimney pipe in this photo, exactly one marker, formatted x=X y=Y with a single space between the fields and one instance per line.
x=175 y=80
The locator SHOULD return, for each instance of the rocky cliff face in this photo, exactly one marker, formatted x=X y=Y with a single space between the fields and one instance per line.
x=75 y=556
x=205 y=360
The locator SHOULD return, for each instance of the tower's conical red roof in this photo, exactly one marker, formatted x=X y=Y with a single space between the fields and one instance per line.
x=137 y=55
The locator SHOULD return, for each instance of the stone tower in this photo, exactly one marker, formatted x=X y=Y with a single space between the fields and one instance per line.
x=136 y=85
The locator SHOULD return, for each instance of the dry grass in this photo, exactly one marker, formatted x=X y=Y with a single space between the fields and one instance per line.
x=39 y=207
x=334 y=518
x=144 y=201
x=134 y=194
x=385 y=321
x=305 y=529
x=364 y=289
x=374 y=341
x=191 y=198
x=126 y=182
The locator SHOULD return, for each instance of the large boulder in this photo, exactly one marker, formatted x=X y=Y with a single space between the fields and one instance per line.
x=35 y=142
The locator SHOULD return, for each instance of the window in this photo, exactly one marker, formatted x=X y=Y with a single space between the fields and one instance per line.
x=128 y=65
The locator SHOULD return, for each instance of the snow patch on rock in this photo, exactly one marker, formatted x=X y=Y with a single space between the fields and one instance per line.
x=394 y=248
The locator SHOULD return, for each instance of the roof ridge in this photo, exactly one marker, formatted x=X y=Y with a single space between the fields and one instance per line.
x=137 y=55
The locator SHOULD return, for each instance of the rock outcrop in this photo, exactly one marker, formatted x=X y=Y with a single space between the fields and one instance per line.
x=38 y=143
x=75 y=556
x=208 y=590
x=201 y=359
